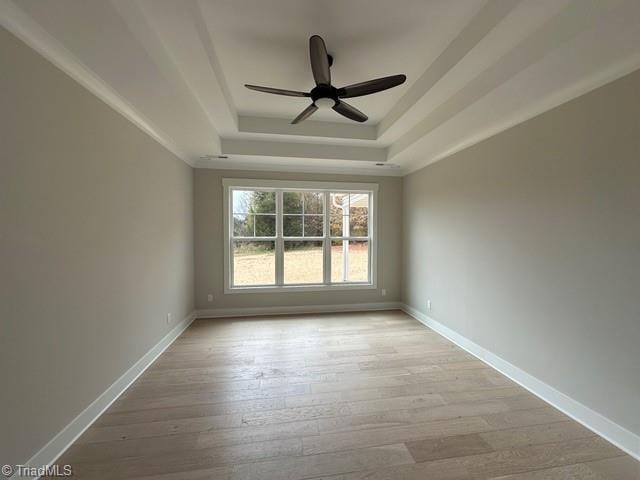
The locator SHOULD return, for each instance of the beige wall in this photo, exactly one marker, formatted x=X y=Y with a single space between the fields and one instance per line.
x=96 y=246
x=529 y=244
x=210 y=241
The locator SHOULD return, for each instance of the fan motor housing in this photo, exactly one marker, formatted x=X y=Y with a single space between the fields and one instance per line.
x=324 y=91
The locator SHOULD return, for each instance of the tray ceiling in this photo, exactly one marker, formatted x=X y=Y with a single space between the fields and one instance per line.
x=474 y=68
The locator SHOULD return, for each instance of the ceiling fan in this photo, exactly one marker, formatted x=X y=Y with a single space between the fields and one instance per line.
x=325 y=94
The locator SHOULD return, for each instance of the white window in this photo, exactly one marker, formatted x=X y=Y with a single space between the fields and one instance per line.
x=287 y=235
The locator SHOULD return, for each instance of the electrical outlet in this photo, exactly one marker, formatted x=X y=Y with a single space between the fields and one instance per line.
x=210 y=298
x=169 y=318
x=383 y=292
x=428 y=304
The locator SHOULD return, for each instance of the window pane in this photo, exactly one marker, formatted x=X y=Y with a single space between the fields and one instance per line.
x=303 y=262
x=265 y=225
x=339 y=206
x=351 y=257
x=359 y=215
x=359 y=226
x=242 y=201
x=358 y=223
x=251 y=201
x=243 y=225
x=313 y=202
x=337 y=262
x=336 y=226
x=339 y=202
x=264 y=202
x=254 y=263
x=292 y=202
x=292 y=225
x=313 y=225
x=358 y=270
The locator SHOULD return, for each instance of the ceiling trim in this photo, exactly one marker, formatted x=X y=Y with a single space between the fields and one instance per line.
x=30 y=32
x=142 y=27
x=308 y=128
x=572 y=20
x=479 y=26
x=203 y=31
x=546 y=104
x=303 y=150
x=296 y=165
x=453 y=104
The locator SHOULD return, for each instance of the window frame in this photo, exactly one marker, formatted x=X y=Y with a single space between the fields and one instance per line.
x=279 y=186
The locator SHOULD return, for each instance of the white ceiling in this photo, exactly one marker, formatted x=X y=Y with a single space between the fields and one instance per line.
x=474 y=68
x=256 y=43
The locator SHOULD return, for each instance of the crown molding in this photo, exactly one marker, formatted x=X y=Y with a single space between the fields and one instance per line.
x=552 y=35
x=30 y=32
x=480 y=25
x=336 y=167
x=149 y=34
x=544 y=105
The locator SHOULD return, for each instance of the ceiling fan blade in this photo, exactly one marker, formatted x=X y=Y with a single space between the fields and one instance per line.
x=319 y=60
x=350 y=112
x=371 y=86
x=277 y=91
x=306 y=113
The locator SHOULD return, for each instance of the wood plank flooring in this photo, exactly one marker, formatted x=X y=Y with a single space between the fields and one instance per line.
x=373 y=395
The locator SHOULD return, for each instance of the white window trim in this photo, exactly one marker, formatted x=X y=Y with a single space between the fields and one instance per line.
x=238 y=183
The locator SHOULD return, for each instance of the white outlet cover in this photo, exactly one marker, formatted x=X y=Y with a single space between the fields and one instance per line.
x=383 y=292
x=168 y=318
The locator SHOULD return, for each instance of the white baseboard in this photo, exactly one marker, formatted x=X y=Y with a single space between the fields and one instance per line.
x=298 y=309
x=63 y=440
x=609 y=430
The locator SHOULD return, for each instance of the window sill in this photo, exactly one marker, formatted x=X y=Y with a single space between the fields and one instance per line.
x=301 y=288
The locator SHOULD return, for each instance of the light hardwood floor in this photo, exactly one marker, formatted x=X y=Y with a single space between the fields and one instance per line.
x=373 y=395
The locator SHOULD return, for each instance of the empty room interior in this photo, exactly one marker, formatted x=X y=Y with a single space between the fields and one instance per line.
x=337 y=240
